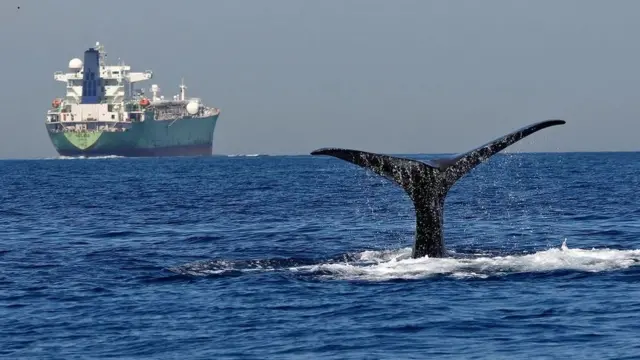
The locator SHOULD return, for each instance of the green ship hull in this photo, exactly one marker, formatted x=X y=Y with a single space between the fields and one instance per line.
x=180 y=137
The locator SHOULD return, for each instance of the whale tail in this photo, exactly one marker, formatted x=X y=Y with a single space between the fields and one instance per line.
x=428 y=182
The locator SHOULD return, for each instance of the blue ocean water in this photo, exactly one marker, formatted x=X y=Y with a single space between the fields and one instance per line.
x=309 y=257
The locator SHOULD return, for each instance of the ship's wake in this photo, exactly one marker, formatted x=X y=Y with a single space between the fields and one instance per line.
x=247 y=155
x=84 y=157
x=398 y=264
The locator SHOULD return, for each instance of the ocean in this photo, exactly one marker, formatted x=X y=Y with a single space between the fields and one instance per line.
x=301 y=257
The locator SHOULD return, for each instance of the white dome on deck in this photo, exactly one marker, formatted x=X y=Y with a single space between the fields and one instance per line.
x=75 y=64
x=192 y=107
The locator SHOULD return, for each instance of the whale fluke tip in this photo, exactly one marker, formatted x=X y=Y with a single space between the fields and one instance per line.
x=325 y=151
x=320 y=151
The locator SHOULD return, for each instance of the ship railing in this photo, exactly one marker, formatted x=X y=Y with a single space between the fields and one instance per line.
x=179 y=113
x=90 y=121
x=76 y=130
x=209 y=111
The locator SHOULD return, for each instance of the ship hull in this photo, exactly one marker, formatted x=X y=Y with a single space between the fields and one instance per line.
x=182 y=137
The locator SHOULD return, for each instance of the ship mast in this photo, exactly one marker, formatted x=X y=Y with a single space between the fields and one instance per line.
x=182 y=88
x=101 y=53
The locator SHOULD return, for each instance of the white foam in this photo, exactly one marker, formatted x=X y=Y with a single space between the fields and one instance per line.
x=385 y=265
x=84 y=157
x=246 y=155
x=398 y=264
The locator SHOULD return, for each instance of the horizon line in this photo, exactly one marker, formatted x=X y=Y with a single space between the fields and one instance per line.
x=226 y=155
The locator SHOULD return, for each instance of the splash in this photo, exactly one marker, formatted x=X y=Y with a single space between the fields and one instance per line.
x=398 y=264
x=403 y=267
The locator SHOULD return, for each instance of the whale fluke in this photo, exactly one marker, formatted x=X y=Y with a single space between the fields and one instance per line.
x=428 y=182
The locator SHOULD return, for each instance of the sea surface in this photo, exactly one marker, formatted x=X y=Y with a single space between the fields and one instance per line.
x=298 y=257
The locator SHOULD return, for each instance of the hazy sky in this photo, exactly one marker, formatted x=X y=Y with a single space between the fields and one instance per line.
x=393 y=76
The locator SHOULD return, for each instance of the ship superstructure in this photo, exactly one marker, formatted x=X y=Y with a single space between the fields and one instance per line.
x=103 y=113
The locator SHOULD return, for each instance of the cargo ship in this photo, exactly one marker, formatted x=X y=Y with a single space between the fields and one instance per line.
x=103 y=114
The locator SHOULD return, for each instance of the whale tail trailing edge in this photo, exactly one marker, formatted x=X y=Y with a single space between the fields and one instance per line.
x=428 y=182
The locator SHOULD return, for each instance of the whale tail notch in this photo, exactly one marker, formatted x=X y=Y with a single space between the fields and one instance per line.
x=428 y=182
